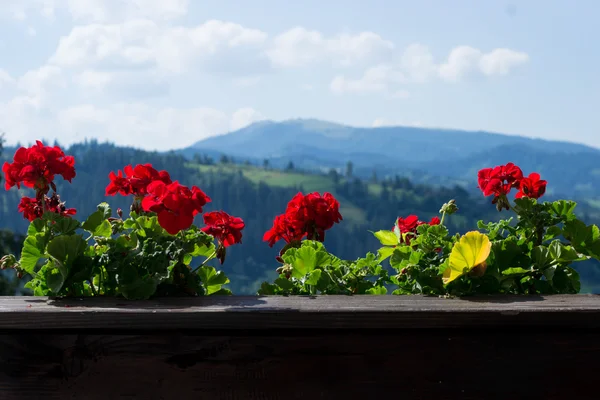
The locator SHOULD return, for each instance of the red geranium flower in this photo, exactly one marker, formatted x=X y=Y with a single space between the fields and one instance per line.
x=410 y=224
x=36 y=166
x=135 y=180
x=532 y=186
x=175 y=204
x=32 y=208
x=499 y=180
x=306 y=215
x=225 y=228
x=283 y=228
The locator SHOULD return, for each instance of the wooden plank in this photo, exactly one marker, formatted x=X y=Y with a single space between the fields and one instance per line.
x=322 y=312
x=431 y=364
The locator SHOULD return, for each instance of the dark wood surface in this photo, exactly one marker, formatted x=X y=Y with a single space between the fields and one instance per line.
x=333 y=347
x=322 y=312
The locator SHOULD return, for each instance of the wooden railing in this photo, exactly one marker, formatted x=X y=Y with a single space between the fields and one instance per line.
x=326 y=347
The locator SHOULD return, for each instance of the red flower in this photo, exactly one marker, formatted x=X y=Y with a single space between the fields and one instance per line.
x=283 y=228
x=135 y=180
x=410 y=224
x=532 y=186
x=32 y=208
x=306 y=215
x=175 y=204
x=225 y=228
x=499 y=180
x=36 y=167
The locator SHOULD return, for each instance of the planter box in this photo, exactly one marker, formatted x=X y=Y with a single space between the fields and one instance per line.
x=326 y=347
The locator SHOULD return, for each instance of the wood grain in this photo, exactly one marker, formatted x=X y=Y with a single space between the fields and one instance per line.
x=408 y=365
x=322 y=312
x=271 y=348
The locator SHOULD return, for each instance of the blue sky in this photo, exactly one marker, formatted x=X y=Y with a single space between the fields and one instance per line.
x=160 y=74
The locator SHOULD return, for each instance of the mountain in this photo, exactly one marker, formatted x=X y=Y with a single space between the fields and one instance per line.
x=426 y=155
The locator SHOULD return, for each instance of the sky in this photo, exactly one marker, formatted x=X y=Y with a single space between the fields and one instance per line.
x=163 y=74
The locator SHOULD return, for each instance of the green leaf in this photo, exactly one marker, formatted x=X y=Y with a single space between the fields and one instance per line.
x=552 y=233
x=31 y=253
x=549 y=273
x=104 y=229
x=306 y=259
x=400 y=256
x=211 y=279
x=65 y=249
x=203 y=250
x=564 y=209
x=387 y=238
x=562 y=253
x=384 y=253
x=313 y=277
x=54 y=278
x=36 y=226
x=65 y=225
x=187 y=259
x=283 y=283
x=515 y=271
x=106 y=210
x=378 y=290
x=97 y=223
x=134 y=287
x=541 y=257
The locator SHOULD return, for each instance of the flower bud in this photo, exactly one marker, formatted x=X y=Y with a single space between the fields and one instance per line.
x=449 y=207
x=120 y=213
x=8 y=261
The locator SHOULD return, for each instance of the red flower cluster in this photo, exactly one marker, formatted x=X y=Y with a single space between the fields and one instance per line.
x=176 y=205
x=135 y=181
x=36 y=167
x=500 y=180
x=225 y=228
x=306 y=215
x=532 y=186
x=32 y=208
x=410 y=224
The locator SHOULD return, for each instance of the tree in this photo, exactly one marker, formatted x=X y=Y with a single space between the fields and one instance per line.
x=335 y=177
x=349 y=169
x=224 y=159
x=374 y=177
x=290 y=166
x=266 y=164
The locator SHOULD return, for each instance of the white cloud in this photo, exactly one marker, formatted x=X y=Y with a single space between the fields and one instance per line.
x=461 y=61
x=5 y=78
x=145 y=43
x=91 y=79
x=97 y=10
x=111 y=10
x=147 y=127
x=299 y=47
x=247 y=81
x=41 y=81
x=401 y=94
x=417 y=65
x=244 y=117
x=375 y=79
x=501 y=61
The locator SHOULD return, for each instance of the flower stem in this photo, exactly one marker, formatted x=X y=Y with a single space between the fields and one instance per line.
x=205 y=261
x=443 y=217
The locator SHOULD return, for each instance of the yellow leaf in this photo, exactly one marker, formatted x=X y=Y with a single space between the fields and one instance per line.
x=472 y=250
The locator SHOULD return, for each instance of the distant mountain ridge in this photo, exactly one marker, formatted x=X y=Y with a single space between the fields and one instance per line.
x=428 y=155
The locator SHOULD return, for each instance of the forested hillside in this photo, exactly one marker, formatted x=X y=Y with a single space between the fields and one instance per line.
x=258 y=193
x=426 y=155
